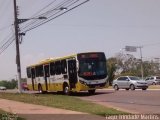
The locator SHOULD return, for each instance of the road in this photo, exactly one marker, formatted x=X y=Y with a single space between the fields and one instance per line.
x=137 y=101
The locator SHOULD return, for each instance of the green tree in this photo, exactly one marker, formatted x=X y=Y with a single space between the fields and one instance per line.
x=111 y=65
x=9 y=84
x=127 y=64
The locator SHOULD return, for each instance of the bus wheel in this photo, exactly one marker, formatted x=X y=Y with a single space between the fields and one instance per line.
x=40 y=89
x=91 y=92
x=66 y=89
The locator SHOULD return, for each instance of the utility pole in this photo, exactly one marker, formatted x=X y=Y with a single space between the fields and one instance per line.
x=17 y=47
x=140 y=47
x=134 y=49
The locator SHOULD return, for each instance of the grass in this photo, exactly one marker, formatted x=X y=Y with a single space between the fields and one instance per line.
x=154 y=87
x=150 y=87
x=62 y=101
x=9 y=116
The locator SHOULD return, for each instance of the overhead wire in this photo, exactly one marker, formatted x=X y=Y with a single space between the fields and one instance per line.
x=5 y=47
x=35 y=21
x=55 y=15
x=9 y=39
x=6 y=38
x=48 y=20
x=57 y=7
x=43 y=8
x=51 y=14
x=6 y=44
x=38 y=13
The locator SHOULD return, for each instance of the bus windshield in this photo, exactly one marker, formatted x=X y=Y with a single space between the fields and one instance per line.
x=92 y=69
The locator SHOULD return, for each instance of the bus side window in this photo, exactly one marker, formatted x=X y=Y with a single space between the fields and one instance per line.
x=33 y=72
x=29 y=72
x=52 y=68
x=46 y=71
x=63 y=66
x=39 y=71
x=58 y=67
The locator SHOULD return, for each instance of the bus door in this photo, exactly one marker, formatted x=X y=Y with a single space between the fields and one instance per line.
x=33 y=75
x=46 y=75
x=72 y=73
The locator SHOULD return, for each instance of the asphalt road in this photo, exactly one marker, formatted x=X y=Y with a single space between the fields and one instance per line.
x=138 y=101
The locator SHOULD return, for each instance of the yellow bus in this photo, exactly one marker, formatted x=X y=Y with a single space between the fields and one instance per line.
x=74 y=73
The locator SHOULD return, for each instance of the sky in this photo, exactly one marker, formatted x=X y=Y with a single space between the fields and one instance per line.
x=98 y=25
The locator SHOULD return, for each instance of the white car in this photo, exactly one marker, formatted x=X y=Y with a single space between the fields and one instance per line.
x=129 y=82
x=2 y=88
x=153 y=80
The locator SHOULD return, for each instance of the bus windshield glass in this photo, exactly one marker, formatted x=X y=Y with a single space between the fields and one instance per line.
x=92 y=66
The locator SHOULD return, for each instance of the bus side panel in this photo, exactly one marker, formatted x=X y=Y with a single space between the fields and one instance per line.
x=29 y=84
x=41 y=82
x=35 y=84
x=56 y=87
x=56 y=83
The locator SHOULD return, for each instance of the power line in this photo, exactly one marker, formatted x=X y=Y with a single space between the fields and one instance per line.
x=51 y=15
x=5 y=39
x=6 y=44
x=43 y=8
x=9 y=39
x=52 y=10
x=5 y=47
x=54 y=17
x=38 y=13
x=57 y=7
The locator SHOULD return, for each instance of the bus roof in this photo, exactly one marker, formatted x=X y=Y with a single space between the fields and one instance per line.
x=48 y=60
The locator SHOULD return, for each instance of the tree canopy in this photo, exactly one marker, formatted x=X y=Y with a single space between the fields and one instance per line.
x=127 y=64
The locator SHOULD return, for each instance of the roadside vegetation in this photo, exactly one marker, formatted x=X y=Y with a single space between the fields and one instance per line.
x=9 y=116
x=154 y=87
x=11 y=84
x=62 y=101
x=127 y=64
x=151 y=87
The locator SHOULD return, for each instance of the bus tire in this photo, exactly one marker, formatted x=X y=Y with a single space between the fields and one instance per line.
x=66 y=89
x=40 y=89
x=91 y=92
